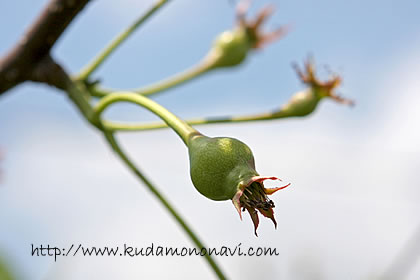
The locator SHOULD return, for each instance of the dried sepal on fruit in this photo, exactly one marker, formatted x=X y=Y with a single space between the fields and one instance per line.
x=231 y=47
x=223 y=168
x=253 y=196
x=322 y=89
x=253 y=27
x=305 y=102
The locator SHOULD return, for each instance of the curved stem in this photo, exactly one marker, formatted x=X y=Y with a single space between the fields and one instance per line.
x=177 y=79
x=184 y=130
x=114 y=144
x=115 y=43
x=114 y=126
x=160 y=86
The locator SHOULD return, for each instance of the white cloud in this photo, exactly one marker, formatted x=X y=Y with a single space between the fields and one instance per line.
x=340 y=206
x=399 y=105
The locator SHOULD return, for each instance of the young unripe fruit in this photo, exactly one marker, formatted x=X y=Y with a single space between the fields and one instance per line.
x=301 y=104
x=218 y=165
x=231 y=47
x=305 y=102
x=223 y=168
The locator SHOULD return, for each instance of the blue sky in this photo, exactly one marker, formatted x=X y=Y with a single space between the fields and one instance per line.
x=354 y=196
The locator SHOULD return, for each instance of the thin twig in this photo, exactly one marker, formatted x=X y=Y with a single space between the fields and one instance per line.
x=117 y=41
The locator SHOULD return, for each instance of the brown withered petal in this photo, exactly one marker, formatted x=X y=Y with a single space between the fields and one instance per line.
x=254 y=217
x=269 y=214
x=272 y=36
x=254 y=26
x=262 y=16
x=252 y=196
x=308 y=77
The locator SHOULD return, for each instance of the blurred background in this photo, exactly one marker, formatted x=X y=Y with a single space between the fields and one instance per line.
x=352 y=211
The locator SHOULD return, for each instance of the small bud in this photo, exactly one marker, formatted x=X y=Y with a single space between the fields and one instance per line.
x=223 y=168
x=231 y=47
x=303 y=103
